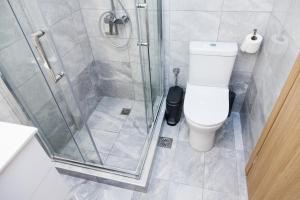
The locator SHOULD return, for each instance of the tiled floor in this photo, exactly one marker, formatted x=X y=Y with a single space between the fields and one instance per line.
x=182 y=173
x=119 y=138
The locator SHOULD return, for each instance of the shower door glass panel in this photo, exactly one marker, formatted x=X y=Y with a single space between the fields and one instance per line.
x=154 y=48
x=142 y=20
x=149 y=17
x=49 y=105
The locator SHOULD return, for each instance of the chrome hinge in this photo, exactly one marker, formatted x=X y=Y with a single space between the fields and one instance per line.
x=143 y=44
x=141 y=5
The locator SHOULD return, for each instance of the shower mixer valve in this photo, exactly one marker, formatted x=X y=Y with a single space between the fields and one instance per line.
x=113 y=22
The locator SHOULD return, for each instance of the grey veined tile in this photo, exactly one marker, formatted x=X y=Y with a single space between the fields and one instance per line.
x=183 y=131
x=221 y=171
x=213 y=195
x=157 y=190
x=225 y=135
x=128 y=146
x=188 y=165
x=164 y=162
x=170 y=131
x=122 y=163
x=104 y=140
x=107 y=115
x=89 y=190
x=179 y=191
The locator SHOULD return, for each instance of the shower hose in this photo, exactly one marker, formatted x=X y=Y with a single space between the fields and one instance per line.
x=111 y=39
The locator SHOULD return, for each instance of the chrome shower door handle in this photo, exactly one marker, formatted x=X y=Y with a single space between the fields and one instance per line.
x=38 y=45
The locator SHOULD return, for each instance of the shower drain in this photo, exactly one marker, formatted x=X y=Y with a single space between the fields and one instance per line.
x=125 y=111
x=165 y=142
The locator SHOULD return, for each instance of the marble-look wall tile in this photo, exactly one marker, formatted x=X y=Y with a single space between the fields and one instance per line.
x=6 y=113
x=165 y=25
x=245 y=62
x=95 y=4
x=64 y=35
x=10 y=31
x=216 y=21
x=236 y=25
x=73 y=62
x=114 y=71
x=21 y=69
x=239 y=84
x=35 y=92
x=87 y=52
x=52 y=125
x=291 y=23
x=281 y=9
x=213 y=5
x=270 y=73
x=103 y=51
x=115 y=79
x=79 y=25
x=183 y=28
x=56 y=10
x=86 y=91
x=117 y=89
x=248 y=5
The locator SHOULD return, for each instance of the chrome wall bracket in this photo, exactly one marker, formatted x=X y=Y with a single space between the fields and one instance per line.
x=141 y=5
x=142 y=44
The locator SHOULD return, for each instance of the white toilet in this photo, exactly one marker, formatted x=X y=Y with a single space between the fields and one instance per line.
x=206 y=103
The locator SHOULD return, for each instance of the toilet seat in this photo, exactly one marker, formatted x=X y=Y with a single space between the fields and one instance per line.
x=206 y=106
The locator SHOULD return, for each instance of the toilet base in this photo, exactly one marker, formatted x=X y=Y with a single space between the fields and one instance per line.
x=202 y=139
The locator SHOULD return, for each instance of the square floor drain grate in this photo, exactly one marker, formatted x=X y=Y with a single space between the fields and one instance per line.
x=125 y=111
x=165 y=142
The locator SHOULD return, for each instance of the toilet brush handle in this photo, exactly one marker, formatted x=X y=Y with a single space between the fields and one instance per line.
x=176 y=72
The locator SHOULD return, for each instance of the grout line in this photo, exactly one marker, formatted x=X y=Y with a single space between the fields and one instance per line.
x=220 y=22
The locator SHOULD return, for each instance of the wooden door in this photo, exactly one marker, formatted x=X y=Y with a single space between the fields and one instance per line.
x=273 y=171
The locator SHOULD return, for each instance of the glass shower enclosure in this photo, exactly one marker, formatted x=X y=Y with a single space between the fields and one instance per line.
x=93 y=103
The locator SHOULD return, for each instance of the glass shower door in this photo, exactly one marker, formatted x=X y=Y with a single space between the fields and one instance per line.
x=44 y=100
x=149 y=22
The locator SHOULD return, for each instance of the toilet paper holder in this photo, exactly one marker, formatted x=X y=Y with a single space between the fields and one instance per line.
x=254 y=34
x=252 y=42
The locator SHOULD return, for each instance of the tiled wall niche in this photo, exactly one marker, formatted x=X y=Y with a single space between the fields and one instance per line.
x=273 y=65
x=214 y=20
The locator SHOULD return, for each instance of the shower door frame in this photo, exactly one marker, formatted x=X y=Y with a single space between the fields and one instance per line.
x=123 y=172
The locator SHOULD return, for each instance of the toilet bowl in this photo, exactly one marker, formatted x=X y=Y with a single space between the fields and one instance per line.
x=205 y=110
x=206 y=103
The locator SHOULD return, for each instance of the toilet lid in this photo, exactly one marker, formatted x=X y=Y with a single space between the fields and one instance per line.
x=206 y=106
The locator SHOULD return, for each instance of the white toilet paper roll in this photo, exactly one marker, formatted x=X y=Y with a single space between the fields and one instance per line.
x=251 y=43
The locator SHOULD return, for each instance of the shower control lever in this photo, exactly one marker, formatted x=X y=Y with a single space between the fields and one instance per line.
x=37 y=44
